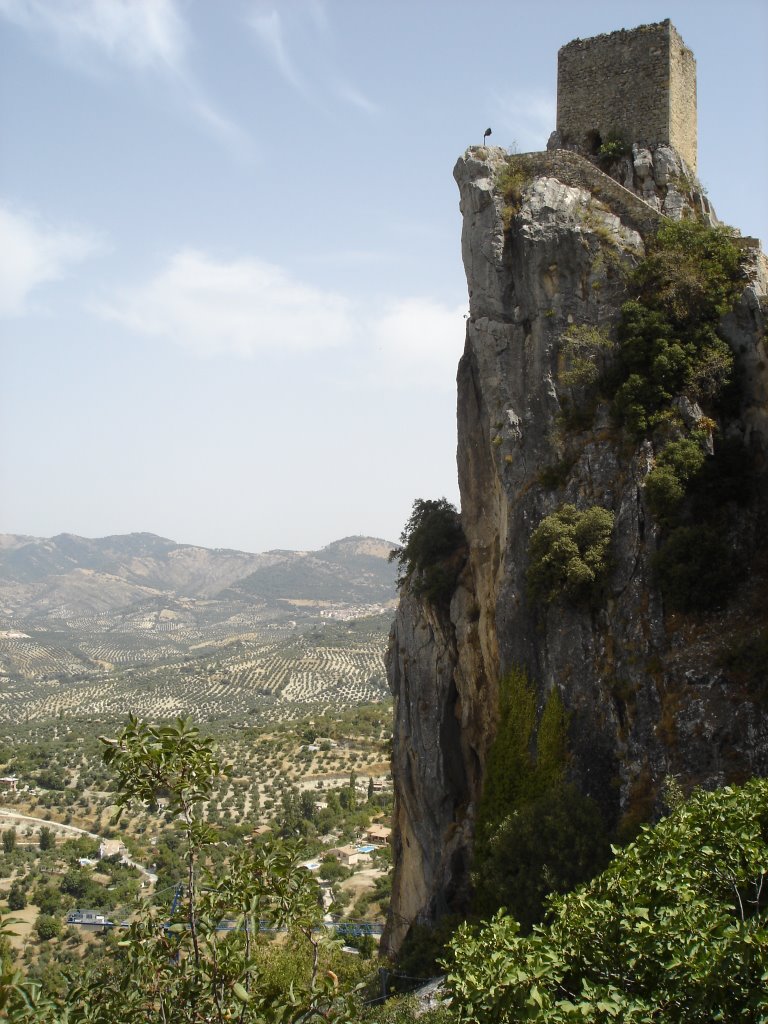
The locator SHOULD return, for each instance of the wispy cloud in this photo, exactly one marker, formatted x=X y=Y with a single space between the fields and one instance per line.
x=144 y=35
x=235 y=138
x=141 y=33
x=417 y=341
x=246 y=307
x=319 y=16
x=269 y=31
x=526 y=117
x=418 y=329
x=242 y=307
x=353 y=96
x=314 y=38
x=33 y=253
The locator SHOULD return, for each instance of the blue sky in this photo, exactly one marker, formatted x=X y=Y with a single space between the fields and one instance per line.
x=231 y=292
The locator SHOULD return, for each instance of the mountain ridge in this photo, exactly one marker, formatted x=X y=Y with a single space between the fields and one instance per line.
x=136 y=622
x=115 y=571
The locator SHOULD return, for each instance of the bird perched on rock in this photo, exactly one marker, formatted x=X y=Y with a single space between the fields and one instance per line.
x=486 y=133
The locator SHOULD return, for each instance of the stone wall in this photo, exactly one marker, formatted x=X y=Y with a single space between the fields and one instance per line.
x=637 y=84
x=683 y=119
x=575 y=170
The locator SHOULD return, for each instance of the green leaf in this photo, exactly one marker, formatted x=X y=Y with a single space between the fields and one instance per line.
x=241 y=993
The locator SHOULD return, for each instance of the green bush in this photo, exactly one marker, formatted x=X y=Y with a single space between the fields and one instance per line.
x=511 y=180
x=510 y=767
x=47 y=927
x=568 y=554
x=668 y=340
x=673 y=931
x=535 y=833
x=406 y=1010
x=583 y=350
x=48 y=899
x=665 y=492
x=332 y=871
x=613 y=148
x=583 y=347
x=659 y=363
x=47 y=838
x=17 y=896
x=549 y=845
x=432 y=549
x=51 y=778
x=665 y=485
x=691 y=272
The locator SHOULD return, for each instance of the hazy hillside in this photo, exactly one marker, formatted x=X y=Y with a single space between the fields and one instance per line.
x=141 y=623
x=353 y=570
x=68 y=575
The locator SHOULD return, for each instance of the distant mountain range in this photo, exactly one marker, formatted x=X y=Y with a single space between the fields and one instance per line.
x=68 y=575
x=141 y=624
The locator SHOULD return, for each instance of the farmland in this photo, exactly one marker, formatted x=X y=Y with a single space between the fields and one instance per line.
x=278 y=657
x=82 y=631
x=261 y=671
x=318 y=781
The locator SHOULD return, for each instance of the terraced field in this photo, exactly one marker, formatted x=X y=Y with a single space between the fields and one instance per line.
x=29 y=657
x=81 y=632
x=263 y=674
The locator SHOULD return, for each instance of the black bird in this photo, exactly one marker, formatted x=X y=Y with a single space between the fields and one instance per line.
x=486 y=133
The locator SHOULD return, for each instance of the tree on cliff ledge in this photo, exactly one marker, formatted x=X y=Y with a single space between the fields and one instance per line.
x=431 y=549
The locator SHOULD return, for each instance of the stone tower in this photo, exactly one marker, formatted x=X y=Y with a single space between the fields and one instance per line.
x=638 y=85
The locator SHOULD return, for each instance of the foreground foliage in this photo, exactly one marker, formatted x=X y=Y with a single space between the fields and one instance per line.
x=207 y=961
x=674 y=931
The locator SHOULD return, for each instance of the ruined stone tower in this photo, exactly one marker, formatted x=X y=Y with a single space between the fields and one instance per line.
x=638 y=85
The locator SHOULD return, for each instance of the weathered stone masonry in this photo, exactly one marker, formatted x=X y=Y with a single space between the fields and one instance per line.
x=639 y=85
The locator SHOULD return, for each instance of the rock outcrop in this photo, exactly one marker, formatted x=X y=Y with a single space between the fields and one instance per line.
x=648 y=693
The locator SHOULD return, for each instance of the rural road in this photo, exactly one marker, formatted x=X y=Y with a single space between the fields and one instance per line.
x=150 y=876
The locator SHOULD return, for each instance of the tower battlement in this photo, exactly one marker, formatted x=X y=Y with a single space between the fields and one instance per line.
x=638 y=85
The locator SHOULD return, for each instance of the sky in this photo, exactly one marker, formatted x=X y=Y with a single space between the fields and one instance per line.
x=231 y=294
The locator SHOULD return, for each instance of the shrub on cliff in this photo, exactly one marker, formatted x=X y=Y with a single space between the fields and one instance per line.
x=583 y=348
x=668 y=340
x=678 y=463
x=512 y=178
x=568 y=554
x=535 y=834
x=690 y=273
x=431 y=549
x=673 y=931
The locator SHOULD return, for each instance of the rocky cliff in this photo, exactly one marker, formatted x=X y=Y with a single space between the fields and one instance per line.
x=547 y=242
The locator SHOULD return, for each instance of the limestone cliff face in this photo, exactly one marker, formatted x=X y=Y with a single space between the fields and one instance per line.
x=643 y=689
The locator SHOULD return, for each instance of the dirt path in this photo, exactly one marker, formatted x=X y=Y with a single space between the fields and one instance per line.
x=57 y=826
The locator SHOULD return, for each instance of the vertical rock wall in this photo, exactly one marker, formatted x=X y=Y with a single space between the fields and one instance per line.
x=643 y=689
